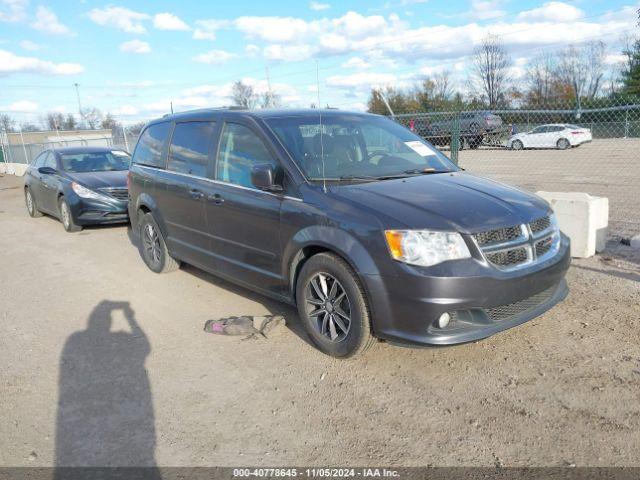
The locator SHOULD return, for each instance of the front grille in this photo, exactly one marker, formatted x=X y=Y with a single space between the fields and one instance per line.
x=540 y=224
x=119 y=193
x=498 y=235
x=509 y=247
x=504 y=312
x=543 y=246
x=506 y=258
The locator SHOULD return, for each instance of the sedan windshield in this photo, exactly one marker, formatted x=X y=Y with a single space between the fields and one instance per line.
x=95 y=161
x=349 y=147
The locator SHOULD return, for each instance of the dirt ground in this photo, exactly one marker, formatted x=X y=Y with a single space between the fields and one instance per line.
x=604 y=167
x=80 y=385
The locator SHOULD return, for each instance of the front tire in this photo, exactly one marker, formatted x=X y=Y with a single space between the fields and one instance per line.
x=30 y=202
x=517 y=145
x=333 y=307
x=153 y=247
x=66 y=218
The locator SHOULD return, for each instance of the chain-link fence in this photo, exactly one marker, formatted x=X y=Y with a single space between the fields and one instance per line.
x=592 y=150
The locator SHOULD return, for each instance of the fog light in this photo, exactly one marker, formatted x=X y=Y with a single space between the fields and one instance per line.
x=444 y=320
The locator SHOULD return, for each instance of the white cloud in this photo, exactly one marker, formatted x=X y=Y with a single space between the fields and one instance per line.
x=206 y=29
x=29 y=45
x=126 y=111
x=356 y=62
x=615 y=59
x=13 y=10
x=486 y=9
x=47 y=22
x=21 y=106
x=11 y=63
x=135 y=46
x=317 y=6
x=168 y=21
x=214 y=57
x=362 y=82
x=121 y=18
x=552 y=12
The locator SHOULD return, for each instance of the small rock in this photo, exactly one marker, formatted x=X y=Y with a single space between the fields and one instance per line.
x=322 y=376
x=33 y=456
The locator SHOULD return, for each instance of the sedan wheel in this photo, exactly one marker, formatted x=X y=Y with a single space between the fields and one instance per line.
x=66 y=218
x=32 y=209
x=563 y=144
x=517 y=145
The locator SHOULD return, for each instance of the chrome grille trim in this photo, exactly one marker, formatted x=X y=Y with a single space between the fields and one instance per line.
x=119 y=193
x=537 y=241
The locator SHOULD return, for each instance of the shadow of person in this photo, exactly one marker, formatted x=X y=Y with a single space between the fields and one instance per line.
x=105 y=410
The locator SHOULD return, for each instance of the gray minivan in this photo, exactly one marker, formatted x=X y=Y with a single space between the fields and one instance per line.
x=368 y=229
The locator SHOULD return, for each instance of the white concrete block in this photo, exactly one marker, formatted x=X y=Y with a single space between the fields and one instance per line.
x=583 y=218
x=17 y=169
x=635 y=242
x=3 y=167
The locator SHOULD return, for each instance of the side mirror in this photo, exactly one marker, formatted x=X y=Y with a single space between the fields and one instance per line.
x=263 y=176
x=47 y=170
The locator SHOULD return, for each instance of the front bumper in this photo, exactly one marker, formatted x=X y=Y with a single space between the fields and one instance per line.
x=87 y=211
x=405 y=308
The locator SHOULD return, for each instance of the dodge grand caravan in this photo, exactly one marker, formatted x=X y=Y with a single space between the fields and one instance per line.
x=369 y=230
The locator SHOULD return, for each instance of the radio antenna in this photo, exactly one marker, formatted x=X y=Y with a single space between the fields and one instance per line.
x=324 y=178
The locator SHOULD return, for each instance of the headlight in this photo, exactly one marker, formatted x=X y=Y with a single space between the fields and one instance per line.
x=84 y=192
x=425 y=248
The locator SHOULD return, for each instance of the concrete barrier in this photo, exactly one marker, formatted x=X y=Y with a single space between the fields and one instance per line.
x=17 y=169
x=583 y=218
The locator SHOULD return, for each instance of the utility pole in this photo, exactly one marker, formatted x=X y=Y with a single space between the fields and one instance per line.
x=78 y=97
x=269 y=94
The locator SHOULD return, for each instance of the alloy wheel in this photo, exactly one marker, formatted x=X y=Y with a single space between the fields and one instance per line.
x=64 y=213
x=328 y=306
x=151 y=242
x=29 y=202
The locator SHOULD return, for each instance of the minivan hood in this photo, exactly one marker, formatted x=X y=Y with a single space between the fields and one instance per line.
x=459 y=201
x=95 y=180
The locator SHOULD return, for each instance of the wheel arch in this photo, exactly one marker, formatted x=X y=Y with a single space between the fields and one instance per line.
x=319 y=239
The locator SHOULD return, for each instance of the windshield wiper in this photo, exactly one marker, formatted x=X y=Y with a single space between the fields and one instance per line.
x=411 y=173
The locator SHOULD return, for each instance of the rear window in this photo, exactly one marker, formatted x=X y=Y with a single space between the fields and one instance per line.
x=190 y=147
x=149 y=148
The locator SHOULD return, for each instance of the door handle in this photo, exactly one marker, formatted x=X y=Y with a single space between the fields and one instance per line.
x=197 y=194
x=216 y=198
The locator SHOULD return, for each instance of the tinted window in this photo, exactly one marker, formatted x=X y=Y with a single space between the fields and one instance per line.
x=355 y=146
x=50 y=161
x=39 y=160
x=240 y=150
x=149 y=148
x=190 y=146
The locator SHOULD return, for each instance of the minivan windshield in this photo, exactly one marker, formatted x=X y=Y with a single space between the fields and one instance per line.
x=347 y=147
x=114 y=160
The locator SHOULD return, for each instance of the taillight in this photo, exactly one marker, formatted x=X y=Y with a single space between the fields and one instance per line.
x=576 y=133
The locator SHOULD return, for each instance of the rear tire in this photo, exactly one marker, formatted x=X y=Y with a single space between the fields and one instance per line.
x=563 y=144
x=66 y=218
x=333 y=307
x=30 y=201
x=153 y=248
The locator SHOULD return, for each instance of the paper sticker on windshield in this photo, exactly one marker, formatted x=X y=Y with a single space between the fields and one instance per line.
x=420 y=148
x=119 y=153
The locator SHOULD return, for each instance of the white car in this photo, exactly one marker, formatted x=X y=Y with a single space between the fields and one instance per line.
x=553 y=135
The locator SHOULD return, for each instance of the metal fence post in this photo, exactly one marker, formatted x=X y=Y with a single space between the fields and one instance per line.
x=455 y=138
x=626 y=123
x=124 y=134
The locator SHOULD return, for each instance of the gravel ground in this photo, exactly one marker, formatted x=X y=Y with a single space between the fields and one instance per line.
x=604 y=167
x=80 y=385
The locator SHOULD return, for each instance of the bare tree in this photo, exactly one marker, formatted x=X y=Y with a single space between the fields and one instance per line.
x=542 y=82
x=54 y=121
x=582 y=69
x=6 y=123
x=270 y=99
x=490 y=70
x=442 y=86
x=93 y=117
x=243 y=95
x=69 y=122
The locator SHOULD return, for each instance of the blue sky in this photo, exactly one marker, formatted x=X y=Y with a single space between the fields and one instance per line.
x=133 y=58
